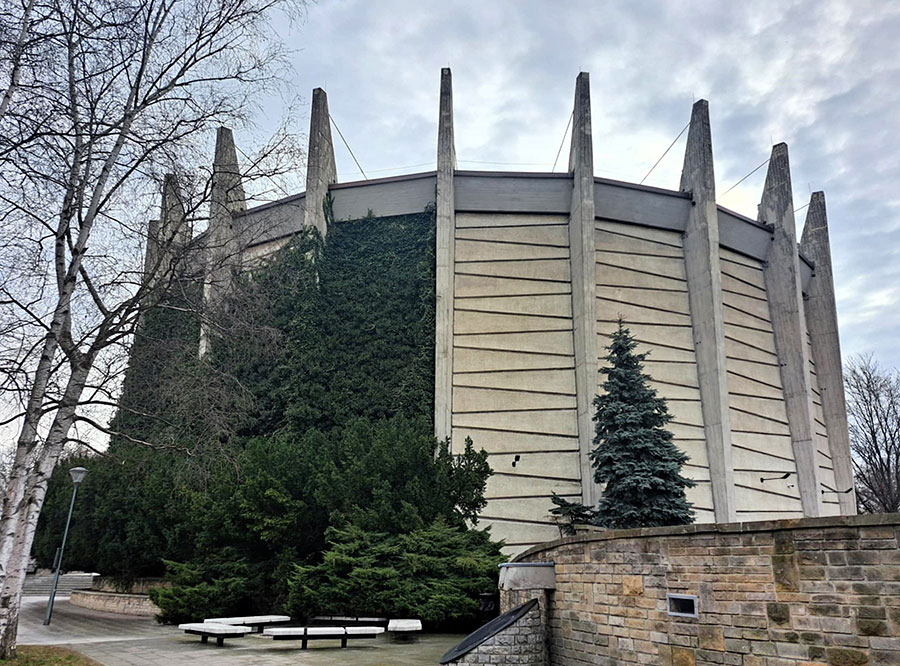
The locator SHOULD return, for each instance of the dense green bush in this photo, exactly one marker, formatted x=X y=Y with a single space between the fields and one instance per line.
x=434 y=573
x=220 y=586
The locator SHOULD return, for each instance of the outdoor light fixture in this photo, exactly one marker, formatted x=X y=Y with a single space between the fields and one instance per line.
x=77 y=474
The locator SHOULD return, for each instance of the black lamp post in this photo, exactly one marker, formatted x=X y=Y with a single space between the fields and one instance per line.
x=77 y=474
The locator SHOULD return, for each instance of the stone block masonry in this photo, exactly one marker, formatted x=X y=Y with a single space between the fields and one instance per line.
x=521 y=643
x=773 y=593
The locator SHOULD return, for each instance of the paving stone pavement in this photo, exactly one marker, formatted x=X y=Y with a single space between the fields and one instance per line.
x=120 y=640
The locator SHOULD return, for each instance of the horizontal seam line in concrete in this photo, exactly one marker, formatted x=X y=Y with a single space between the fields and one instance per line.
x=515 y=351
x=638 y=270
x=752 y=379
x=512 y=411
x=515 y=277
x=599 y=228
x=511 y=242
x=540 y=476
x=515 y=314
x=509 y=431
x=642 y=288
x=560 y=293
x=768 y=492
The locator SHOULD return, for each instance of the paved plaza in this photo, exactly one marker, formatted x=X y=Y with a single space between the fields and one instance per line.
x=121 y=640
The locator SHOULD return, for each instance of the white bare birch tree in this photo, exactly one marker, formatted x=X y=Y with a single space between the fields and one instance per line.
x=98 y=99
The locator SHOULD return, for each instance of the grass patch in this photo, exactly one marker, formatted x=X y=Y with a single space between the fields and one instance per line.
x=37 y=655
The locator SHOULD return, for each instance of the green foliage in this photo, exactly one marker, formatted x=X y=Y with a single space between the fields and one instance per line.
x=634 y=454
x=220 y=586
x=569 y=514
x=311 y=412
x=434 y=573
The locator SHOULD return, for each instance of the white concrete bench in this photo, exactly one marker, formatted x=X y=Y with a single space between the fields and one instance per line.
x=219 y=631
x=255 y=621
x=345 y=620
x=306 y=634
x=404 y=629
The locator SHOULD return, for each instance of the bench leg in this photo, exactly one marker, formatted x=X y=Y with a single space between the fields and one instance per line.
x=303 y=644
x=220 y=641
x=204 y=639
x=344 y=642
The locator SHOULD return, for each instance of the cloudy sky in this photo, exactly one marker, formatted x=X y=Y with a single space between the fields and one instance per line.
x=822 y=76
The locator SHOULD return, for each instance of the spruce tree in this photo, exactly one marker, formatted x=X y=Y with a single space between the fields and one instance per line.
x=633 y=452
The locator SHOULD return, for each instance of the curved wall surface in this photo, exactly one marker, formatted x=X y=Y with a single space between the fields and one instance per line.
x=535 y=269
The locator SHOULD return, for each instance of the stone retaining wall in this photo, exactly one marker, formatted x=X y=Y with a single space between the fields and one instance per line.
x=115 y=602
x=521 y=643
x=136 y=586
x=774 y=593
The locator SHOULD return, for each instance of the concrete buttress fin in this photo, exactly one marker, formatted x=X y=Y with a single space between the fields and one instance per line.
x=584 y=282
x=704 y=278
x=821 y=321
x=321 y=171
x=786 y=311
x=445 y=251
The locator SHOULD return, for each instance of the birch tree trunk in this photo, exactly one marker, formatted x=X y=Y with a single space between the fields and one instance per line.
x=102 y=99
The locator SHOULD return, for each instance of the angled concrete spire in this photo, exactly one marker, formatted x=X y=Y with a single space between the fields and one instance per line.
x=320 y=166
x=584 y=280
x=821 y=319
x=445 y=223
x=222 y=242
x=167 y=236
x=227 y=189
x=782 y=277
x=704 y=278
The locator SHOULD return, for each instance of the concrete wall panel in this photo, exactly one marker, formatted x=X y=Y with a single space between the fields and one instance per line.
x=616 y=275
x=776 y=445
x=551 y=235
x=546 y=305
x=547 y=269
x=480 y=285
x=551 y=342
x=616 y=241
x=488 y=360
x=503 y=442
x=670 y=267
x=554 y=465
x=554 y=381
x=467 y=322
x=477 y=399
x=743 y=273
x=652 y=334
x=541 y=422
x=483 y=220
x=469 y=250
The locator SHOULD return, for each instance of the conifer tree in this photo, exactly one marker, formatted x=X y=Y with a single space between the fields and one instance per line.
x=633 y=452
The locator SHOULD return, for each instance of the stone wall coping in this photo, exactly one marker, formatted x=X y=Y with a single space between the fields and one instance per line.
x=506 y=565
x=864 y=520
x=104 y=593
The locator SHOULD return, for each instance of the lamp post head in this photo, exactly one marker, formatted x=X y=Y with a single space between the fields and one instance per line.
x=78 y=474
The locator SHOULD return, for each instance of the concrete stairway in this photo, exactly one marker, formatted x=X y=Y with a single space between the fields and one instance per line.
x=40 y=585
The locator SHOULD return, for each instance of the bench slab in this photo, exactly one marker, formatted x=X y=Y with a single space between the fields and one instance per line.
x=218 y=631
x=306 y=634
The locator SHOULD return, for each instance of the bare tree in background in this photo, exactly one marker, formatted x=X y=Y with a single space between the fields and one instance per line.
x=873 y=411
x=99 y=99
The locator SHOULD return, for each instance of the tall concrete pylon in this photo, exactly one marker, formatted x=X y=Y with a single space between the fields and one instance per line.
x=783 y=288
x=223 y=246
x=321 y=171
x=584 y=281
x=704 y=279
x=821 y=320
x=445 y=232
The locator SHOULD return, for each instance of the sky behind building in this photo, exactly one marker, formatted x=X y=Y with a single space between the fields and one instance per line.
x=821 y=76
